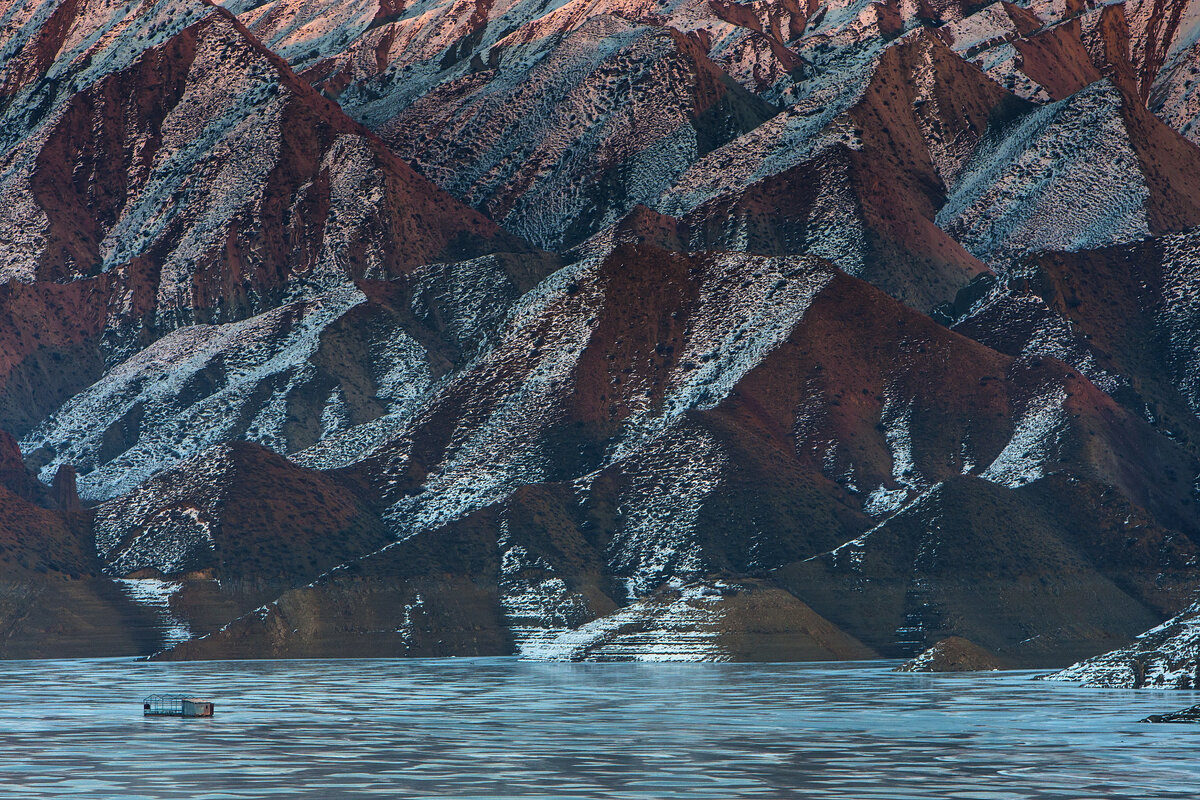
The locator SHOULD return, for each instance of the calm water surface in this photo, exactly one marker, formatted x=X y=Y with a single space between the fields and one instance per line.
x=501 y=728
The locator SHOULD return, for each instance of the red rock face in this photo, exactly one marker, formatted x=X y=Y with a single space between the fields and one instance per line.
x=111 y=142
x=811 y=448
x=198 y=183
x=540 y=155
x=289 y=381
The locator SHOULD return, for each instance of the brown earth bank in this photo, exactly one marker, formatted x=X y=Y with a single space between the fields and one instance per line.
x=953 y=654
x=55 y=600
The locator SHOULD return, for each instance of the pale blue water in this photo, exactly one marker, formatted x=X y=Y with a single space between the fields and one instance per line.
x=500 y=728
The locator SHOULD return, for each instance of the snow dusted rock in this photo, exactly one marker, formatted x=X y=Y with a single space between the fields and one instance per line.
x=176 y=174
x=1165 y=657
x=564 y=136
x=1172 y=93
x=197 y=387
x=522 y=109
x=690 y=622
x=208 y=107
x=511 y=107
x=953 y=654
x=230 y=509
x=323 y=416
x=678 y=624
x=363 y=50
x=287 y=378
x=156 y=594
x=1148 y=48
x=651 y=422
x=1187 y=715
x=1124 y=316
x=867 y=159
x=1159 y=32
x=1033 y=187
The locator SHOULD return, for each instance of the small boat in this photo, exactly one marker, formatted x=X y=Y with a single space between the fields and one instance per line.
x=176 y=705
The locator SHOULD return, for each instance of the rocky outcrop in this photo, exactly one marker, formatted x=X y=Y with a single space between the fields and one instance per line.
x=1187 y=715
x=953 y=654
x=1165 y=657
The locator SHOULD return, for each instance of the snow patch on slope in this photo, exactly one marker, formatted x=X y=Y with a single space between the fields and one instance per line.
x=814 y=123
x=156 y=595
x=666 y=488
x=484 y=462
x=748 y=307
x=681 y=623
x=165 y=524
x=1179 y=312
x=1035 y=441
x=187 y=392
x=1063 y=178
x=896 y=418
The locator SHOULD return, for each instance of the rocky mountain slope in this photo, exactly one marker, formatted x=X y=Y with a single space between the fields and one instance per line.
x=161 y=168
x=600 y=330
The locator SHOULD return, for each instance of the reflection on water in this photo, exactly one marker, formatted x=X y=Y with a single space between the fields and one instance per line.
x=499 y=728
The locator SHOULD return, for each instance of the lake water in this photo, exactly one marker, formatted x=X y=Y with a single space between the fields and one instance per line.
x=501 y=728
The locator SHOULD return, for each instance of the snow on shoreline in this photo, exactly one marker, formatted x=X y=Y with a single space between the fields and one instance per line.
x=156 y=595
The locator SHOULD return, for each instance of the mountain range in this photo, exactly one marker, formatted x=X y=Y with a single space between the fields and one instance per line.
x=602 y=330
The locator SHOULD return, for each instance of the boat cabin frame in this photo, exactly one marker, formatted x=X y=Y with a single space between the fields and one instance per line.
x=176 y=705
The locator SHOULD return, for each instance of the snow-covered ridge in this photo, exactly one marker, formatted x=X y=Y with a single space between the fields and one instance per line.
x=1063 y=178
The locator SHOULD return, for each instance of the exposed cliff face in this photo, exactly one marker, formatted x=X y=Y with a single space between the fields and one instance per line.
x=176 y=174
x=270 y=314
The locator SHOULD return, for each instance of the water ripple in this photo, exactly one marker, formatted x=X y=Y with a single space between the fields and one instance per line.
x=500 y=728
